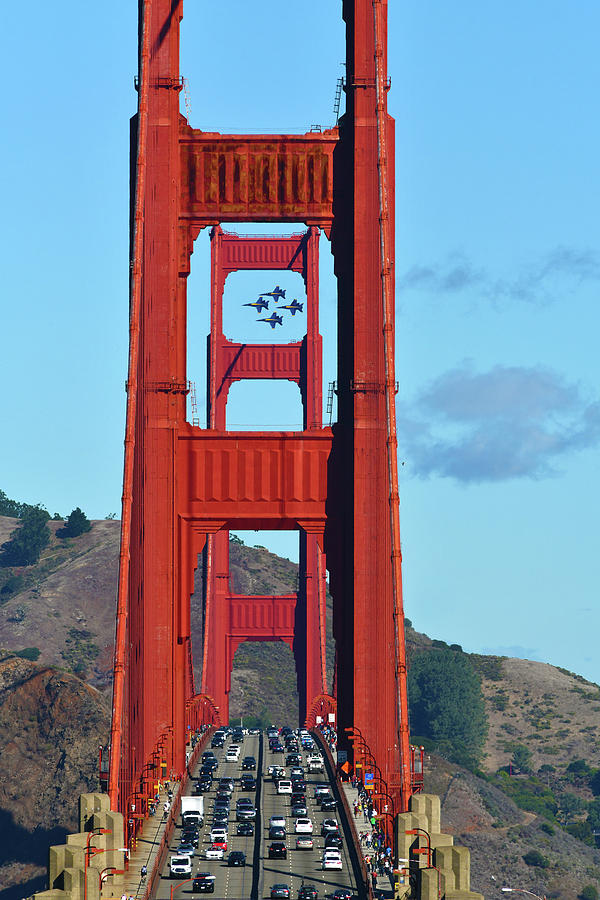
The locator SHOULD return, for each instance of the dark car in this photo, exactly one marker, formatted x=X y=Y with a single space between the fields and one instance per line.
x=246 y=829
x=217 y=741
x=236 y=858
x=308 y=892
x=298 y=785
x=204 y=882
x=278 y=748
x=277 y=850
x=249 y=762
x=327 y=804
x=293 y=759
x=342 y=894
x=248 y=782
x=206 y=772
x=186 y=847
x=276 y=833
x=333 y=841
x=280 y=892
x=298 y=797
x=244 y=813
x=208 y=754
x=225 y=788
x=322 y=798
x=190 y=834
x=224 y=796
x=299 y=809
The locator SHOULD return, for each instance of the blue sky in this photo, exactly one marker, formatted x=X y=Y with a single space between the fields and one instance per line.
x=498 y=269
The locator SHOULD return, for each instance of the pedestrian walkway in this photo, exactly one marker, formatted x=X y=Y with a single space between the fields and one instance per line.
x=385 y=884
x=147 y=847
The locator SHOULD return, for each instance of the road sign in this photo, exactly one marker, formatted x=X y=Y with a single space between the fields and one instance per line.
x=342 y=756
x=345 y=767
x=369 y=778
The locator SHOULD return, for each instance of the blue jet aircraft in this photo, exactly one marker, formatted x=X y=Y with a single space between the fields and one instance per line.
x=259 y=304
x=273 y=320
x=276 y=294
x=294 y=307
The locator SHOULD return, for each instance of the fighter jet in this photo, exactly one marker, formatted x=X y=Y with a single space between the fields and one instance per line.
x=294 y=307
x=259 y=304
x=276 y=294
x=273 y=320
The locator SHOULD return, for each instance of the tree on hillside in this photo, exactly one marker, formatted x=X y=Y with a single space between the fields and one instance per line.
x=446 y=704
x=521 y=758
x=77 y=523
x=28 y=540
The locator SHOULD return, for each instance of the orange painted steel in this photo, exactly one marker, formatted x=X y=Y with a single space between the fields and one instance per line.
x=388 y=301
x=118 y=716
x=185 y=487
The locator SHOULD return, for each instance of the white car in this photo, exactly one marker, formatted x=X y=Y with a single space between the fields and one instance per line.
x=277 y=822
x=214 y=853
x=284 y=786
x=332 y=859
x=180 y=866
x=303 y=826
x=218 y=834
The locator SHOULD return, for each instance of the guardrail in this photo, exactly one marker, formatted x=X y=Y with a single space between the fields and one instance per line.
x=365 y=892
x=163 y=847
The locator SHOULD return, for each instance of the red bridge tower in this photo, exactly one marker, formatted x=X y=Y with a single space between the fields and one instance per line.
x=185 y=485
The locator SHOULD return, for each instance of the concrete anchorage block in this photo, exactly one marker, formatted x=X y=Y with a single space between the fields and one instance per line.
x=455 y=862
x=427 y=805
x=89 y=804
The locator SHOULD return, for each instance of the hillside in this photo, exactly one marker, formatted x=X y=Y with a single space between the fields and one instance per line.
x=64 y=606
x=51 y=724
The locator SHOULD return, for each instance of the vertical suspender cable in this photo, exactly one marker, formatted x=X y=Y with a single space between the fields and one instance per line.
x=390 y=394
x=116 y=736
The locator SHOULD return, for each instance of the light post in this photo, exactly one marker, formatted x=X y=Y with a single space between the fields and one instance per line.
x=88 y=854
x=508 y=890
x=178 y=885
x=427 y=850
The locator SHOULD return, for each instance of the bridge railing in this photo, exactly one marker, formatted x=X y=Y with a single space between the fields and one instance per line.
x=352 y=839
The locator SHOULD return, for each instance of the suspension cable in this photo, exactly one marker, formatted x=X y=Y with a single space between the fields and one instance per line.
x=390 y=394
x=132 y=385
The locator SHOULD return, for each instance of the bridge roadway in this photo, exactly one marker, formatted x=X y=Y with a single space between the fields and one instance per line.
x=300 y=866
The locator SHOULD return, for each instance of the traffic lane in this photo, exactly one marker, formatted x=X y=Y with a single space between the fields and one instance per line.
x=300 y=865
x=231 y=882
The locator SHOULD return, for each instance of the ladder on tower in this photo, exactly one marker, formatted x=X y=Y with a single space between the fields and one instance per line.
x=193 y=404
x=337 y=99
x=332 y=390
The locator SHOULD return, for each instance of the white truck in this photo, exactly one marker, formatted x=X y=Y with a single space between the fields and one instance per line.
x=314 y=763
x=192 y=811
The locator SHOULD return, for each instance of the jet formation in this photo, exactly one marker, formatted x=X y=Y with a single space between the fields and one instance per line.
x=276 y=294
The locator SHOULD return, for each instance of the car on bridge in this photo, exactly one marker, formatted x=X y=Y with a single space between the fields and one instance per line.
x=333 y=841
x=284 y=786
x=186 y=847
x=332 y=859
x=246 y=829
x=304 y=842
x=299 y=809
x=204 y=883
x=218 y=834
x=180 y=866
x=280 y=892
x=248 y=782
x=303 y=825
x=277 y=850
x=308 y=892
x=278 y=821
x=342 y=894
x=215 y=851
x=236 y=858
x=249 y=762
x=328 y=826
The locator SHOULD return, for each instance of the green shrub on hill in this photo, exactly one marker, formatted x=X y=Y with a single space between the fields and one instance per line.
x=27 y=540
x=528 y=793
x=446 y=705
x=77 y=523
